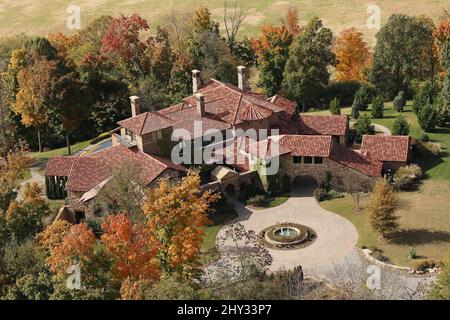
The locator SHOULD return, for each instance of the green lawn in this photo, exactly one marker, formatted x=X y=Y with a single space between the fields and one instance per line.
x=424 y=219
x=424 y=215
x=44 y=156
x=434 y=168
x=273 y=202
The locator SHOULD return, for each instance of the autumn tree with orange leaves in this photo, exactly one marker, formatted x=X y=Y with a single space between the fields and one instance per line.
x=352 y=54
x=441 y=35
x=291 y=21
x=176 y=215
x=272 y=50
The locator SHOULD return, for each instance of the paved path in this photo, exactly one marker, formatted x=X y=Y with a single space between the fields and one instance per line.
x=385 y=131
x=335 y=243
x=334 y=248
x=35 y=177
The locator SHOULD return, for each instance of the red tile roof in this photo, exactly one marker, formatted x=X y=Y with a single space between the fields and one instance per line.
x=87 y=172
x=232 y=105
x=289 y=106
x=295 y=145
x=324 y=125
x=386 y=148
x=356 y=161
x=146 y=122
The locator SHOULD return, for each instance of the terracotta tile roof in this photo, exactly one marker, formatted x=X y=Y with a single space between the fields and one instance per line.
x=235 y=153
x=386 y=148
x=295 y=145
x=356 y=161
x=89 y=171
x=59 y=166
x=186 y=117
x=324 y=125
x=146 y=122
x=288 y=106
x=232 y=105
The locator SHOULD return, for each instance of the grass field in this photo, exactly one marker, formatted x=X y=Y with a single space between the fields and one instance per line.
x=46 y=16
x=44 y=156
x=424 y=215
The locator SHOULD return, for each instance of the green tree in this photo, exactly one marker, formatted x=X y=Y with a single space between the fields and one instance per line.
x=400 y=127
x=306 y=72
x=400 y=102
x=378 y=107
x=444 y=106
x=335 y=106
x=272 y=51
x=428 y=116
x=441 y=288
x=361 y=100
x=427 y=94
x=401 y=43
x=364 y=126
x=382 y=204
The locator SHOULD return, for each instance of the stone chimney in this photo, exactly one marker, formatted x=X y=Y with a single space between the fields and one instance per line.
x=200 y=104
x=135 y=106
x=195 y=81
x=242 y=78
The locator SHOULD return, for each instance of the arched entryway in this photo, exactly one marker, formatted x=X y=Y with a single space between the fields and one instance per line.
x=304 y=185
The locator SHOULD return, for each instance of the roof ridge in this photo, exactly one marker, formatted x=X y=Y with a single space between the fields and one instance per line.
x=237 y=109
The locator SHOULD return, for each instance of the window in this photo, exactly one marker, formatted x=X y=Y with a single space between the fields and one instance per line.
x=308 y=160
x=318 y=160
x=130 y=135
x=159 y=134
x=297 y=159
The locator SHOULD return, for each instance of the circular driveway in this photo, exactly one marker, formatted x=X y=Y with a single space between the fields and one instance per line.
x=336 y=236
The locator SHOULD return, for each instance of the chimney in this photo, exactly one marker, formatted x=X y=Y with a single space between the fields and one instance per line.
x=195 y=81
x=200 y=104
x=135 y=106
x=241 y=78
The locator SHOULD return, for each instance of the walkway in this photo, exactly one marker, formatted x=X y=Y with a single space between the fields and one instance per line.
x=35 y=177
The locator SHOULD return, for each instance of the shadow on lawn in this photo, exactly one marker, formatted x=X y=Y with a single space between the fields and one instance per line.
x=419 y=236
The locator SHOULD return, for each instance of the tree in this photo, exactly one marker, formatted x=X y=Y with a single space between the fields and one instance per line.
x=35 y=87
x=202 y=21
x=400 y=127
x=272 y=50
x=364 y=126
x=361 y=100
x=400 y=102
x=441 y=35
x=25 y=218
x=381 y=208
x=175 y=216
x=444 y=101
x=352 y=54
x=306 y=72
x=335 y=106
x=132 y=248
x=7 y=130
x=440 y=290
x=356 y=187
x=122 y=42
x=377 y=107
x=427 y=94
x=71 y=100
x=401 y=43
x=232 y=23
x=291 y=21
x=428 y=117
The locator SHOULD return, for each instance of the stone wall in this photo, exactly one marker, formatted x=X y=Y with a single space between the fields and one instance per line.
x=340 y=173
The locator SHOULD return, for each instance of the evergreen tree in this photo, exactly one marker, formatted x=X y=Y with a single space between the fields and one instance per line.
x=378 y=107
x=382 y=207
x=399 y=102
x=400 y=126
x=428 y=117
x=335 y=106
x=364 y=126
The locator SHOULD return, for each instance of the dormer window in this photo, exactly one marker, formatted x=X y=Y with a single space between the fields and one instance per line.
x=130 y=135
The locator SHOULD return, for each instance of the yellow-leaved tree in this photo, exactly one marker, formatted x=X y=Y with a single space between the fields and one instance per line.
x=176 y=215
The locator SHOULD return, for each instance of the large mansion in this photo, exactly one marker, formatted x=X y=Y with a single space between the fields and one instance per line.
x=306 y=145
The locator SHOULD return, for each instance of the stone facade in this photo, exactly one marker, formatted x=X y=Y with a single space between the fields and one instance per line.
x=341 y=174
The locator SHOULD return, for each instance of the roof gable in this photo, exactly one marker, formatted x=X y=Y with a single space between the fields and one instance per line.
x=386 y=148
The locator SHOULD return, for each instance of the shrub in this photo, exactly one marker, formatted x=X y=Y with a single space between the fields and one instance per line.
x=406 y=177
x=400 y=126
x=412 y=254
x=325 y=184
x=410 y=170
x=364 y=126
x=429 y=148
x=400 y=102
x=333 y=194
x=378 y=107
x=257 y=201
x=320 y=195
x=423 y=265
x=335 y=107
